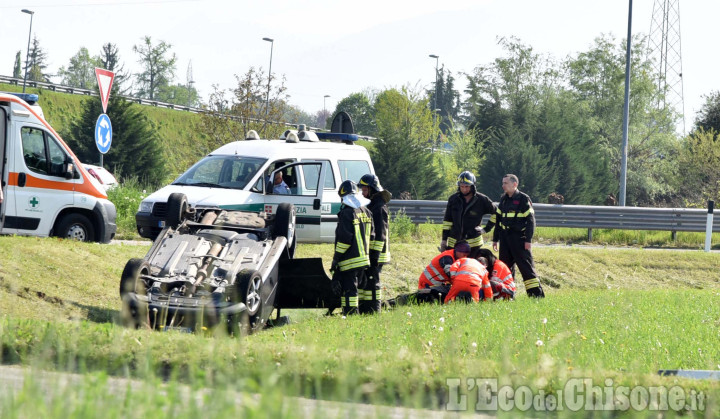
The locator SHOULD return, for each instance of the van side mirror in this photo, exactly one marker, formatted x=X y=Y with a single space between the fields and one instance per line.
x=69 y=170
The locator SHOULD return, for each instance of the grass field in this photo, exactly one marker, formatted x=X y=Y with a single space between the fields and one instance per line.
x=612 y=316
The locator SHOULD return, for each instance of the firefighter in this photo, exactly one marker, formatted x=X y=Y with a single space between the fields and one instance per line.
x=353 y=235
x=438 y=271
x=501 y=279
x=515 y=228
x=463 y=215
x=371 y=294
x=469 y=275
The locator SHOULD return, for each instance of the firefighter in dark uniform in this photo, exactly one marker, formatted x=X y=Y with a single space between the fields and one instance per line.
x=371 y=293
x=463 y=216
x=353 y=235
x=515 y=229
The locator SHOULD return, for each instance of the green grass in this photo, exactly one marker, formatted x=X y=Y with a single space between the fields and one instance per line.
x=617 y=314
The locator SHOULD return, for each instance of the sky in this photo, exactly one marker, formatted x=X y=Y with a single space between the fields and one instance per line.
x=336 y=48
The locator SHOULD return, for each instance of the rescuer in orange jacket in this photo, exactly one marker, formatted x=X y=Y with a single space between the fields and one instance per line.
x=501 y=278
x=437 y=272
x=469 y=275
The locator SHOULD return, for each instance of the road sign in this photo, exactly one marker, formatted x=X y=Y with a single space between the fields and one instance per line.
x=105 y=79
x=103 y=133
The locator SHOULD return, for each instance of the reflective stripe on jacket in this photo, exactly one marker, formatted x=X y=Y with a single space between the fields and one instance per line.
x=353 y=235
x=472 y=271
x=461 y=218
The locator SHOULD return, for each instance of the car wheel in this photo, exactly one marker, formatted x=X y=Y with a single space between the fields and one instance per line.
x=284 y=226
x=76 y=227
x=133 y=314
x=247 y=290
x=177 y=205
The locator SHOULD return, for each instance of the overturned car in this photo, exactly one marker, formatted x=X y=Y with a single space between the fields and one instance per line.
x=211 y=266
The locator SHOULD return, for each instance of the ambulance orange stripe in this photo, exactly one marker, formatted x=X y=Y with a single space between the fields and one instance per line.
x=86 y=187
x=35 y=182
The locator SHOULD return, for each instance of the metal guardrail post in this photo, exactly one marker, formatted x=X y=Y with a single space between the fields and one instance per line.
x=589 y=234
x=709 y=228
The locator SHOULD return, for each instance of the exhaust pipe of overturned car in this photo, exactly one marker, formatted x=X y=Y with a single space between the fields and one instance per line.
x=202 y=273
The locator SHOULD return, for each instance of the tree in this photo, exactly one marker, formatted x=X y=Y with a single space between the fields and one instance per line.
x=17 y=69
x=447 y=100
x=37 y=63
x=136 y=146
x=110 y=60
x=597 y=77
x=178 y=94
x=360 y=109
x=698 y=159
x=401 y=156
x=81 y=71
x=158 y=67
x=232 y=113
x=709 y=116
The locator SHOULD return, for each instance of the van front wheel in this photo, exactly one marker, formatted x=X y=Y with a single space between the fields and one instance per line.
x=76 y=227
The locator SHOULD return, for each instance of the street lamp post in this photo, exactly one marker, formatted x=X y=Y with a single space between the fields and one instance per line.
x=27 y=55
x=626 y=113
x=267 y=101
x=437 y=59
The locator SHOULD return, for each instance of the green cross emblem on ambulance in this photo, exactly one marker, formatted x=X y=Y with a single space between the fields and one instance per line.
x=33 y=202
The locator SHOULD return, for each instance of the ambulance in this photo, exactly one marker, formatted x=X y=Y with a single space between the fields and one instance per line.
x=241 y=176
x=47 y=191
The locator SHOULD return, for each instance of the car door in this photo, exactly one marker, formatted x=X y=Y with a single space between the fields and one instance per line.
x=305 y=192
x=42 y=188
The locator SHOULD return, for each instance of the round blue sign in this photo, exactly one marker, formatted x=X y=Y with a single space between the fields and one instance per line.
x=103 y=133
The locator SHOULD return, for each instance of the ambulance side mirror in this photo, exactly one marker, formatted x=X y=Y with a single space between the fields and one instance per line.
x=69 y=170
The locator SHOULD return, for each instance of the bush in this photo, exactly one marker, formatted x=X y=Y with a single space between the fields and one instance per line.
x=126 y=197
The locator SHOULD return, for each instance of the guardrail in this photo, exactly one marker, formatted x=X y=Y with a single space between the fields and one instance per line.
x=582 y=216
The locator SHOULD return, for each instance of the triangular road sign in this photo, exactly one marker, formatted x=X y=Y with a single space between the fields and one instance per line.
x=105 y=80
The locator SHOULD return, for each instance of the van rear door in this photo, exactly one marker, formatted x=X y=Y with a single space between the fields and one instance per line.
x=305 y=193
x=3 y=164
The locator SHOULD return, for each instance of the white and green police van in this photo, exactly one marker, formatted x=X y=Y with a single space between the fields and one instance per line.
x=238 y=176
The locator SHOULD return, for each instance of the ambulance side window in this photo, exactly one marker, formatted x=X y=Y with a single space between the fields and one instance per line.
x=42 y=153
x=33 y=142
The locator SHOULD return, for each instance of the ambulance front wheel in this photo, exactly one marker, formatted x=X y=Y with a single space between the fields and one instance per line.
x=76 y=227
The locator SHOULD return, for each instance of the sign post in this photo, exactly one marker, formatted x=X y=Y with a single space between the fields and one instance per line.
x=103 y=127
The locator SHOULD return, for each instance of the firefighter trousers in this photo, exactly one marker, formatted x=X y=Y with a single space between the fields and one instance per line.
x=369 y=292
x=513 y=252
x=349 y=295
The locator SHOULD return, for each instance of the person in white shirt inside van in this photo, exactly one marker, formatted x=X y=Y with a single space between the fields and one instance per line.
x=279 y=185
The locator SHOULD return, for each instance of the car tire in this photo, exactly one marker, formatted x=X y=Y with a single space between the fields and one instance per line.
x=247 y=290
x=133 y=314
x=177 y=205
x=284 y=226
x=76 y=227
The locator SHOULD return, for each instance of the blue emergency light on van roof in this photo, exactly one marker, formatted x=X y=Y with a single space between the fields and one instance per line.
x=30 y=98
x=337 y=136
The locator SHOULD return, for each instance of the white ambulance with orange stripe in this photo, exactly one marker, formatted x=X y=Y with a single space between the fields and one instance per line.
x=47 y=190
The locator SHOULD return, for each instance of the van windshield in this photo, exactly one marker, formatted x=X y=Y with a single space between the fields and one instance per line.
x=232 y=172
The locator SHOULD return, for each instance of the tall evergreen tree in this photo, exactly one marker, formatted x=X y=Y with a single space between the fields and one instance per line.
x=136 y=144
x=17 y=69
x=709 y=116
x=110 y=60
x=445 y=98
x=37 y=63
x=401 y=154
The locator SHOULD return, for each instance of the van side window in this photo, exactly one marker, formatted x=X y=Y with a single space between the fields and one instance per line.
x=42 y=153
x=353 y=169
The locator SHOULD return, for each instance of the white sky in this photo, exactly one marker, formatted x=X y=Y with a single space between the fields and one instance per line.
x=335 y=48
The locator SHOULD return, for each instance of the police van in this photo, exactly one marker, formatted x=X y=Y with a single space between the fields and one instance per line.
x=47 y=192
x=243 y=175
